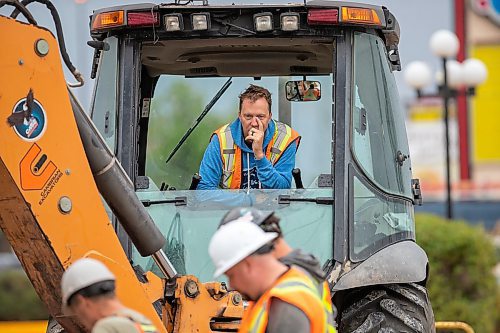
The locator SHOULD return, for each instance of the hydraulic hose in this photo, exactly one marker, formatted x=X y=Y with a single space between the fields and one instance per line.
x=20 y=8
x=59 y=31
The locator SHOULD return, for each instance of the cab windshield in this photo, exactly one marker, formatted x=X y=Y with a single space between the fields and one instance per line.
x=191 y=217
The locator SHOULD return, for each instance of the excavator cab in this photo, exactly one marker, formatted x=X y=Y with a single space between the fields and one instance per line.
x=166 y=77
x=161 y=68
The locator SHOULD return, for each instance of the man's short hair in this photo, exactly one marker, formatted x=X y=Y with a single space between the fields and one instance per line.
x=267 y=221
x=271 y=224
x=254 y=93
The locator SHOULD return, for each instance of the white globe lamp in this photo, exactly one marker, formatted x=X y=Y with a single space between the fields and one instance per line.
x=454 y=72
x=474 y=72
x=444 y=44
x=418 y=74
x=455 y=76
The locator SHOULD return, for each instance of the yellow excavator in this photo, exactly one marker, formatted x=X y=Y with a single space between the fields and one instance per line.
x=355 y=211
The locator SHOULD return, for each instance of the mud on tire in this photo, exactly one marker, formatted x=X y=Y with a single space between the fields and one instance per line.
x=387 y=309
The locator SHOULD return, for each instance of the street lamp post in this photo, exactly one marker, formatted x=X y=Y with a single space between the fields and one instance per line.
x=472 y=72
x=446 y=97
x=445 y=45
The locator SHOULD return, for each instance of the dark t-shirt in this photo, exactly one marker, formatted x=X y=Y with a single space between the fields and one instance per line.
x=254 y=179
x=286 y=318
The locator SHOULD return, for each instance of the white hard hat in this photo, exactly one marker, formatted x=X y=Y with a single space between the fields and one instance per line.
x=235 y=241
x=81 y=274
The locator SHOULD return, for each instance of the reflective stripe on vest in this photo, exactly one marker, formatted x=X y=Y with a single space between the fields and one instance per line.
x=297 y=289
x=326 y=300
x=230 y=153
x=145 y=328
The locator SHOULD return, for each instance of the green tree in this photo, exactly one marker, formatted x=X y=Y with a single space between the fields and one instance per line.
x=18 y=299
x=461 y=283
x=173 y=112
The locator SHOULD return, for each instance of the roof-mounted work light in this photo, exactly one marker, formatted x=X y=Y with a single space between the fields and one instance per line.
x=289 y=21
x=173 y=22
x=263 y=22
x=200 y=21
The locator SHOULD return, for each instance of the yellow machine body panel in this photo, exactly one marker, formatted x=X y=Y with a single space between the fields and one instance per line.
x=23 y=326
x=50 y=209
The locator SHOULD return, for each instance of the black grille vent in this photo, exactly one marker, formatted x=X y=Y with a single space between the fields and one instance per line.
x=303 y=69
x=203 y=71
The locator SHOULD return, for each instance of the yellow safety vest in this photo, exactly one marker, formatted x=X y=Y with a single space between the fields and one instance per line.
x=283 y=136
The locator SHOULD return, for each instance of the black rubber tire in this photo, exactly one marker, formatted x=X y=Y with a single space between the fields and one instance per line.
x=386 y=309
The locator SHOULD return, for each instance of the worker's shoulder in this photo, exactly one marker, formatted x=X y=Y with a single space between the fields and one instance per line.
x=115 y=324
x=282 y=127
x=125 y=321
x=306 y=262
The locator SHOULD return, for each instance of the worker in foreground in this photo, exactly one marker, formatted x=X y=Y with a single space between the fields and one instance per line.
x=88 y=293
x=282 y=298
x=269 y=222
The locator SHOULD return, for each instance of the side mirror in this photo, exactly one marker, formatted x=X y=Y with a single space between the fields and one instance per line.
x=303 y=91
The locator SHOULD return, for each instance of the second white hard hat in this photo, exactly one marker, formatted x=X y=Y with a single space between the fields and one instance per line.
x=235 y=241
x=81 y=274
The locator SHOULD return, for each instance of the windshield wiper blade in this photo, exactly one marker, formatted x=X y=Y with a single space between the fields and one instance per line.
x=286 y=199
x=178 y=201
x=231 y=25
x=209 y=106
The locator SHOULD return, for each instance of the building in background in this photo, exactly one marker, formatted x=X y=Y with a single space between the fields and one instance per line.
x=474 y=125
x=483 y=40
x=474 y=121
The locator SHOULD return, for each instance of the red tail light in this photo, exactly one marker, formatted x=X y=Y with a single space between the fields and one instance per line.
x=143 y=19
x=322 y=16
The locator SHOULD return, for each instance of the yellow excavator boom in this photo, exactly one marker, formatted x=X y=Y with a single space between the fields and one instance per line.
x=50 y=209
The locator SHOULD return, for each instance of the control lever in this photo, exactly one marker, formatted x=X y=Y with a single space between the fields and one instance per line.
x=297 y=178
x=195 y=181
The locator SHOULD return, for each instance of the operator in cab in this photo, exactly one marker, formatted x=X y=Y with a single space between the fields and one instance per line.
x=252 y=152
x=88 y=293
x=281 y=298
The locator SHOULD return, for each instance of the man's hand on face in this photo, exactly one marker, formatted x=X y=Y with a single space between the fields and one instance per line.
x=256 y=136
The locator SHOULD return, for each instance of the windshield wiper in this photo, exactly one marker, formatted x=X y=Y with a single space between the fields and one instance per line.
x=286 y=199
x=217 y=96
x=178 y=201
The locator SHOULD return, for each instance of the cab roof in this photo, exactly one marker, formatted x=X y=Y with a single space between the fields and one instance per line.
x=241 y=49
x=382 y=12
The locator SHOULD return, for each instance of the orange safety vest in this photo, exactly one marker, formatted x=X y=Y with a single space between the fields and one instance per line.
x=283 y=136
x=298 y=289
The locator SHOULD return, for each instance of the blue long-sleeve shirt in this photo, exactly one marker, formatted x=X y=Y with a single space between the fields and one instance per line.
x=278 y=176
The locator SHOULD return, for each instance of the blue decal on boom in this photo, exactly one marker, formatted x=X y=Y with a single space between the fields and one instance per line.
x=31 y=129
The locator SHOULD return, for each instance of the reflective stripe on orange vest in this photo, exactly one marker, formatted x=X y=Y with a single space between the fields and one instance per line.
x=296 y=288
x=326 y=300
x=145 y=328
x=230 y=153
